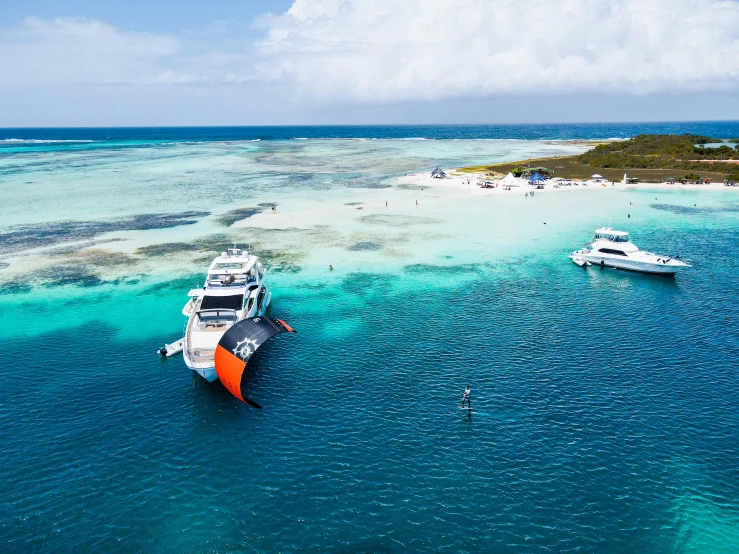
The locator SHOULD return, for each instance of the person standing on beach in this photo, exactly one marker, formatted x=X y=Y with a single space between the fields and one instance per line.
x=466 y=398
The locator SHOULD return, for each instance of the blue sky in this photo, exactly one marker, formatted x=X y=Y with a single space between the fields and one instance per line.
x=230 y=62
x=172 y=16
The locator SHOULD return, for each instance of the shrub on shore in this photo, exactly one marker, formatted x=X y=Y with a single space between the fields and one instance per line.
x=648 y=157
x=661 y=152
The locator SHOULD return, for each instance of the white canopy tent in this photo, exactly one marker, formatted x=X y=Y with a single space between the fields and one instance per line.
x=510 y=181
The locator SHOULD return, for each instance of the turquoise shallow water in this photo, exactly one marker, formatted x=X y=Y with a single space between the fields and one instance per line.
x=605 y=403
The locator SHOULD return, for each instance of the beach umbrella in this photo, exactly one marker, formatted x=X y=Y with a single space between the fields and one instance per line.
x=238 y=345
x=596 y=176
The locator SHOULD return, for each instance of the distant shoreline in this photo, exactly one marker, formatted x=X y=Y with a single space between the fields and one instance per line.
x=464 y=179
x=568 y=167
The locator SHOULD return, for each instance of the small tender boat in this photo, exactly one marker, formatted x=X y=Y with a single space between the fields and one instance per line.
x=613 y=248
x=172 y=348
x=579 y=260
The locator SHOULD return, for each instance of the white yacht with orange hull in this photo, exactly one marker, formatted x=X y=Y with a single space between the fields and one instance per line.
x=234 y=290
x=613 y=248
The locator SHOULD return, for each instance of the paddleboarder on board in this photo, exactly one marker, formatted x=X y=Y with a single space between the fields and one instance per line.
x=466 y=398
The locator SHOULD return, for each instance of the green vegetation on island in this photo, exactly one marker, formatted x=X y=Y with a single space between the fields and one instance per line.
x=644 y=157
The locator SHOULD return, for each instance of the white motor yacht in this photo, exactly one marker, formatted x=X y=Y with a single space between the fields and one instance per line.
x=234 y=290
x=614 y=249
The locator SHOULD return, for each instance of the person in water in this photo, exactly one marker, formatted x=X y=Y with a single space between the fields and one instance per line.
x=466 y=398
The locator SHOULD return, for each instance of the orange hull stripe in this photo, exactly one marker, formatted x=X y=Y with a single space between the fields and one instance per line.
x=229 y=369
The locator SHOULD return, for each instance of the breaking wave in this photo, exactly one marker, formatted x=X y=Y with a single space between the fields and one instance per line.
x=38 y=141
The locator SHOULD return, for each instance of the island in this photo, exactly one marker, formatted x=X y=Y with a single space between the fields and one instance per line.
x=648 y=158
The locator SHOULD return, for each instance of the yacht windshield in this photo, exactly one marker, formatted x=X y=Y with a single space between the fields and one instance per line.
x=611 y=237
x=232 y=302
x=229 y=265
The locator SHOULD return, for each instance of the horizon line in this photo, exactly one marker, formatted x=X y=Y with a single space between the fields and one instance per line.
x=520 y=124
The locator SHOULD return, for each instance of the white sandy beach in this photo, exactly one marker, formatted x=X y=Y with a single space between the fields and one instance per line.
x=455 y=178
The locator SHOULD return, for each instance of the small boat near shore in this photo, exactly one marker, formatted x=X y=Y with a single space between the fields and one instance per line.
x=612 y=248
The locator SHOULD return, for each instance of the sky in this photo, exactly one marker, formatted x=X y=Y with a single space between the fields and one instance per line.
x=281 y=62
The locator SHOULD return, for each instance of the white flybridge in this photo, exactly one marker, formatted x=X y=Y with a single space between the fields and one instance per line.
x=614 y=249
x=234 y=290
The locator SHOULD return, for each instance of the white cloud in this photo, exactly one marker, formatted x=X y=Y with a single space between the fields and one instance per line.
x=86 y=52
x=79 y=51
x=325 y=58
x=164 y=78
x=389 y=50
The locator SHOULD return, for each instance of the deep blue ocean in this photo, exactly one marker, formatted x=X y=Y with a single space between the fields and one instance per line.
x=548 y=131
x=605 y=403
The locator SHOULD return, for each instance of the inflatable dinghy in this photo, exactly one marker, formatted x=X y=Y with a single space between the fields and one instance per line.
x=171 y=349
x=579 y=260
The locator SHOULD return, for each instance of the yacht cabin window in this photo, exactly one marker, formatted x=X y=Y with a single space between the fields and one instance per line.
x=610 y=237
x=612 y=251
x=228 y=265
x=260 y=298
